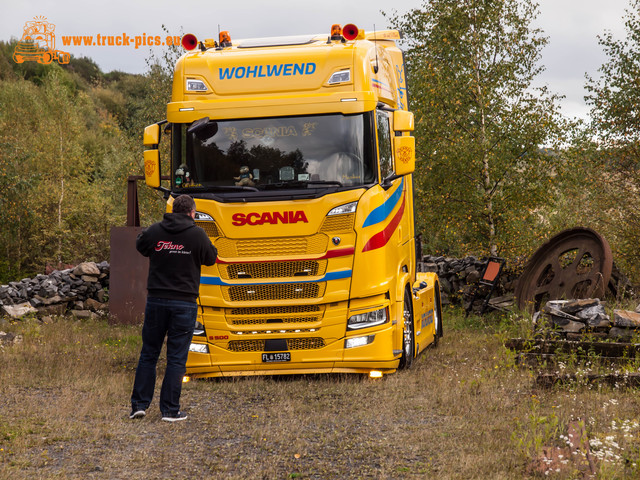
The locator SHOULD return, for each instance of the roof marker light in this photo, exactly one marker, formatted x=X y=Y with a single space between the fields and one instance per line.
x=196 y=85
x=350 y=32
x=189 y=41
x=342 y=76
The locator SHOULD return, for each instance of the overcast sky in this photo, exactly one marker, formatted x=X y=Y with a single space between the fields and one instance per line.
x=571 y=25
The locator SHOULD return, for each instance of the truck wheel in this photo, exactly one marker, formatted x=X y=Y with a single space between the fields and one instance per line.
x=437 y=315
x=408 y=336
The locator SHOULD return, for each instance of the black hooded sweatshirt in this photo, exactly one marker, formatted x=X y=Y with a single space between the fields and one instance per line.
x=176 y=248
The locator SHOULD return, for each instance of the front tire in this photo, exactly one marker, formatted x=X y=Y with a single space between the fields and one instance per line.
x=408 y=336
x=437 y=315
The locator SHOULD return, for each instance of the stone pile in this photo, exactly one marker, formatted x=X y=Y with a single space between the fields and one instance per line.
x=574 y=319
x=81 y=290
x=459 y=276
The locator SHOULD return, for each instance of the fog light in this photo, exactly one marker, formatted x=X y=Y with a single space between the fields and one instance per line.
x=199 y=348
x=358 y=341
x=375 y=374
x=186 y=379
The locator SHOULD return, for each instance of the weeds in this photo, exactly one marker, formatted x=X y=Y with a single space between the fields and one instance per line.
x=461 y=412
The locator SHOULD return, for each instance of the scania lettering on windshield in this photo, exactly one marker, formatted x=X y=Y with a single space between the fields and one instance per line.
x=266 y=71
x=273 y=218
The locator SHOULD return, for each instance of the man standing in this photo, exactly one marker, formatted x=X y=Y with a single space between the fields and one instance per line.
x=176 y=248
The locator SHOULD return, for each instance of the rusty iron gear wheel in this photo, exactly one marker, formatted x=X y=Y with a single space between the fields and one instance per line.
x=576 y=263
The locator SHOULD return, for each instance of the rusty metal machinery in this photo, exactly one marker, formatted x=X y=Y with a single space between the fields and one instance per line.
x=576 y=263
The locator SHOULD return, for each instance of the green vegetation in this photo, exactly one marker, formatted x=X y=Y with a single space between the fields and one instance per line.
x=481 y=123
x=499 y=169
x=69 y=138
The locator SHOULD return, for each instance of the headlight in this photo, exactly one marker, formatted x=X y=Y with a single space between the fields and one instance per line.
x=358 y=341
x=199 y=348
x=342 y=209
x=369 y=319
x=199 y=330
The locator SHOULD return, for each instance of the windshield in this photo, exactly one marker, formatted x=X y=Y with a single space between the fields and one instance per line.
x=273 y=153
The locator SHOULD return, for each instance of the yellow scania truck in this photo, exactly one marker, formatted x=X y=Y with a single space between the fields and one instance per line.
x=299 y=155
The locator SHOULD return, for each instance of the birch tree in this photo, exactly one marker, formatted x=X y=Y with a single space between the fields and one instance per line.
x=481 y=122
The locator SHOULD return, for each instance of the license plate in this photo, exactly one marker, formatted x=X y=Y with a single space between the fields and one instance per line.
x=276 y=357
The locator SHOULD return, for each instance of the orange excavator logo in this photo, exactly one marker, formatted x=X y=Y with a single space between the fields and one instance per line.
x=38 y=44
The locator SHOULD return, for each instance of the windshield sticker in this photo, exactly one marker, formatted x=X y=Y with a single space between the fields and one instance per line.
x=231 y=133
x=270 y=132
x=308 y=128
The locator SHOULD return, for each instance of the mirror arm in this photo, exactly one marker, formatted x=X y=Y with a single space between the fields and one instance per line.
x=386 y=182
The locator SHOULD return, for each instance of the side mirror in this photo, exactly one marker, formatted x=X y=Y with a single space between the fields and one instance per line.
x=151 y=139
x=151 y=136
x=403 y=121
x=152 y=168
x=404 y=155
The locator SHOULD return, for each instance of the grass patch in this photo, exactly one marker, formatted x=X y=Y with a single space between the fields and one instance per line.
x=465 y=410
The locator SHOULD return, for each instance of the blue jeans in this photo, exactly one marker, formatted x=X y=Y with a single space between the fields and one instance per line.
x=176 y=320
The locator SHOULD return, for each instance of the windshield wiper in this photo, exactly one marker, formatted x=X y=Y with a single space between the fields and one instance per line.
x=301 y=183
x=230 y=188
x=325 y=182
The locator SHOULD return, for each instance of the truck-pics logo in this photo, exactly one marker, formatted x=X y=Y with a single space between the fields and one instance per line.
x=254 y=218
x=38 y=44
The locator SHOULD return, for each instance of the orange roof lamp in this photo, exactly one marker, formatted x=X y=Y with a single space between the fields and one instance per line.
x=336 y=32
x=225 y=39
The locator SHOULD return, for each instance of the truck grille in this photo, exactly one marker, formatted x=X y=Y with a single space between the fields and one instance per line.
x=338 y=223
x=285 y=291
x=210 y=227
x=272 y=269
x=292 y=344
x=275 y=315
x=271 y=247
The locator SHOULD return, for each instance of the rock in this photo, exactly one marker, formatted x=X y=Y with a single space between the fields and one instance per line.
x=573 y=306
x=571 y=326
x=599 y=321
x=620 y=334
x=57 y=309
x=626 y=318
x=430 y=267
x=445 y=285
x=48 y=288
x=473 y=276
x=89 y=278
x=83 y=314
x=8 y=338
x=94 y=305
x=101 y=295
x=18 y=311
x=86 y=268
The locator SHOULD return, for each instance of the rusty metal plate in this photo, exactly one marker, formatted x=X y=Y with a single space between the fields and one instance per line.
x=128 y=277
x=576 y=263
